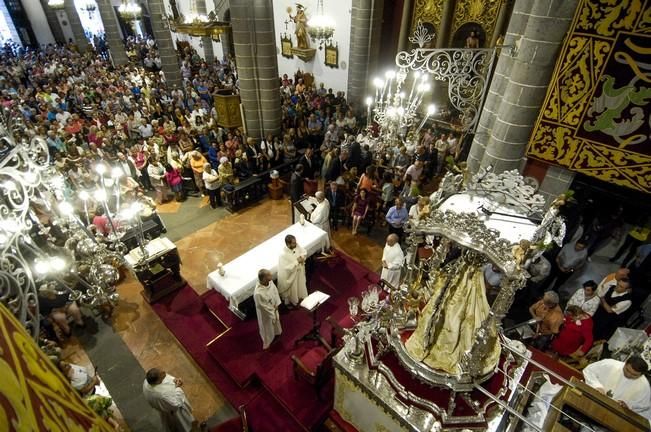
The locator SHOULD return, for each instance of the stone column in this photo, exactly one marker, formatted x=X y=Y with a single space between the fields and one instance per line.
x=75 y=25
x=405 y=26
x=206 y=41
x=365 y=28
x=443 y=35
x=226 y=38
x=257 y=67
x=520 y=81
x=113 y=39
x=557 y=181
x=53 y=21
x=500 y=23
x=169 y=60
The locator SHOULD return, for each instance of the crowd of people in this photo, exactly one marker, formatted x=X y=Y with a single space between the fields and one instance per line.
x=573 y=313
x=164 y=140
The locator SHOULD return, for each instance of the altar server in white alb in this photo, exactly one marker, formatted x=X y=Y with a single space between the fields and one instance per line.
x=292 y=285
x=267 y=300
x=623 y=382
x=163 y=392
x=392 y=260
x=321 y=215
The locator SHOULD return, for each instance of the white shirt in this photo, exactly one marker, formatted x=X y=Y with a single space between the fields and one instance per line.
x=588 y=306
x=608 y=374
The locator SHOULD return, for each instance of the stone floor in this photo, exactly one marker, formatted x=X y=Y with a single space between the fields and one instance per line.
x=145 y=335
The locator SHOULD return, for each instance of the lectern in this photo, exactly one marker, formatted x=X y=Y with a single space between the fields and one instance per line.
x=227 y=106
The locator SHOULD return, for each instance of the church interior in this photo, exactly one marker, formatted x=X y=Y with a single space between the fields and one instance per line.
x=325 y=215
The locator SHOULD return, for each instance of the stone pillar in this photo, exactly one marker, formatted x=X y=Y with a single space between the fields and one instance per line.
x=169 y=60
x=113 y=39
x=75 y=25
x=537 y=28
x=226 y=40
x=557 y=181
x=365 y=28
x=500 y=23
x=443 y=35
x=405 y=26
x=206 y=41
x=257 y=67
x=53 y=21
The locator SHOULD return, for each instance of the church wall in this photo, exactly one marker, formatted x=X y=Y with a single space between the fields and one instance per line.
x=335 y=78
x=64 y=22
x=38 y=20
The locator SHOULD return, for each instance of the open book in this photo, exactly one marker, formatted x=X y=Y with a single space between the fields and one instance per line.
x=314 y=300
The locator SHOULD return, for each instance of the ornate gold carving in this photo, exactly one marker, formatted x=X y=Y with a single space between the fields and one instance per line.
x=305 y=54
x=482 y=12
x=428 y=11
x=594 y=119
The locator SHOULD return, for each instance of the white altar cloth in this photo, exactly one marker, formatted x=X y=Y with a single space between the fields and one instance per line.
x=241 y=274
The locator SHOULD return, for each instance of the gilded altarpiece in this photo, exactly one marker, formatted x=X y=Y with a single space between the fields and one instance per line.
x=482 y=12
x=428 y=11
x=596 y=118
x=34 y=395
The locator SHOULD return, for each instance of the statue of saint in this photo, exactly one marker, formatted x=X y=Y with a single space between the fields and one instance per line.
x=300 y=20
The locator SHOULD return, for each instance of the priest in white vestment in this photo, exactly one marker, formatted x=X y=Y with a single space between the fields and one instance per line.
x=623 y=382
x=163 y=392
x=321 y=215
x=392 y=261
x=292 y=285
x=267 y=300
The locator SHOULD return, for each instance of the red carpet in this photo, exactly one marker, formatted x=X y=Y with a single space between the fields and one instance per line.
x=236 y=364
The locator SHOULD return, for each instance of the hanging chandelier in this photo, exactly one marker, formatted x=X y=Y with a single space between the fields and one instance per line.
x=197 y=24
x=56 y=4
x=90 y=7
x=130 y=10
x=320 y=27
x=395 y=111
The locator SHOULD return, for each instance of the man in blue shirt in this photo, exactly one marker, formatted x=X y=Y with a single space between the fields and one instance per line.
x=397 y=217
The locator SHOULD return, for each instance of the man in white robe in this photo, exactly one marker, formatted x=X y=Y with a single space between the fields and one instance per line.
x=292 y=285
x=321 y=215
x=267 y=300
x=163 y=392
x=392 y=261
x=623 y=382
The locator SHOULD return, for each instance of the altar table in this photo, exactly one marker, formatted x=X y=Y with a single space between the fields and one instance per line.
x=241 y=274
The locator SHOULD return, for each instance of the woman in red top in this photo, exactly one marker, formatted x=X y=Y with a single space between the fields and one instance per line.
x=360 y=208
x=575 y=338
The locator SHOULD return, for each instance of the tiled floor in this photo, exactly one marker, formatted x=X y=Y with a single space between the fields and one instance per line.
x=145 y=334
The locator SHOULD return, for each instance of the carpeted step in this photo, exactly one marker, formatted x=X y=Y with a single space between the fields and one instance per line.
x=218 y=306
x=230 y=351
x=265 y=414
x=297 y=396
x=240 y=353
x=185 y=315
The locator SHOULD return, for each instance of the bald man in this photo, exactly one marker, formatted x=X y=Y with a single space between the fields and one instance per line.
x=392 y=261
x=267 y=300
x=321 y=215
